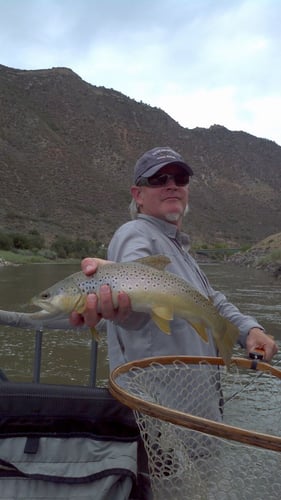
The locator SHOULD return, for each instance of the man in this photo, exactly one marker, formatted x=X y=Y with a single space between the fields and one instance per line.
x=160 y=193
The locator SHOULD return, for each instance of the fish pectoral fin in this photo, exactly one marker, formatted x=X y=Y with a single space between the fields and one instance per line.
x=95 y=334
x=162 y=315
x=200 y=328
x=80 y=304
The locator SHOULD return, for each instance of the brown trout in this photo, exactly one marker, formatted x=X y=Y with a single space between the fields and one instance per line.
x=152 y=290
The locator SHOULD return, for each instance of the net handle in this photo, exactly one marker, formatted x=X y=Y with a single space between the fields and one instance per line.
x=187 y=420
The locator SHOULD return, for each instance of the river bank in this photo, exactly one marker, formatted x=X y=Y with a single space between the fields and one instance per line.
x=4 y=262
x=257 y=260
x=8 y=258
x=265 y=255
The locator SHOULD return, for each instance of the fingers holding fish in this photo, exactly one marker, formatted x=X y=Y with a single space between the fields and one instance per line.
x=89 y=265
x=103 y=307
x=91 y=315
x=76 y=319
x=108 y=309
x=124 y=308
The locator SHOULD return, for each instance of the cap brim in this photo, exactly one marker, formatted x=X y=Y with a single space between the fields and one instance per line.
x=153 y=170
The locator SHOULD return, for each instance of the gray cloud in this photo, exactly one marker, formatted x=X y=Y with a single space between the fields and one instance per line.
x=203 y=61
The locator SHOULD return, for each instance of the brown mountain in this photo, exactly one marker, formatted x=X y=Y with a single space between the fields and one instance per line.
x=67 y=149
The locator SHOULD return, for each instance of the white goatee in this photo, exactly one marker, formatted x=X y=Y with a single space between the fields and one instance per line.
x=174 y=217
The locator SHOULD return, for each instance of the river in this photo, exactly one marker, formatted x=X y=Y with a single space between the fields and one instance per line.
x=66 y=354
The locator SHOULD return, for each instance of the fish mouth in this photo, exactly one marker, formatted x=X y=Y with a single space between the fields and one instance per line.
x=47 y=307
x=60 y=304
x=43 y=314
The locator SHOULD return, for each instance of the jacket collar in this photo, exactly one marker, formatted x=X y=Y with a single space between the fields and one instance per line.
x=167 y=228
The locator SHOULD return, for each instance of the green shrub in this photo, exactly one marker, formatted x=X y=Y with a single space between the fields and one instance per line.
x=272 y=257
x=6 y=241
x=30 y=241
x=79 y=248
x=61 y=247
x=276 y=255
x=36 y=240
x=47 y=254
x=20 y=241
x=33 y=243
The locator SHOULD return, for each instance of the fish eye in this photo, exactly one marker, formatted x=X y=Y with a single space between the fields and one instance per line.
x=45 y=295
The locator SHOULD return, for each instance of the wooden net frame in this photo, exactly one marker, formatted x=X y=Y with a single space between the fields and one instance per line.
x=189 y=448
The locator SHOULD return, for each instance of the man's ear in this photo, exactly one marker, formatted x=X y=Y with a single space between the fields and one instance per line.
x=136 y=193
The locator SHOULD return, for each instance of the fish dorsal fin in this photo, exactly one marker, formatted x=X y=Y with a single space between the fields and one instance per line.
x=156 y=261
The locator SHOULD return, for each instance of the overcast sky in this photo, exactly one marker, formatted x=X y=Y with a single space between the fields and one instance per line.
x=204 y=62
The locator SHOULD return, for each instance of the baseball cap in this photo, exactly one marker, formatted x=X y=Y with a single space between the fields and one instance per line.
x=154 y=159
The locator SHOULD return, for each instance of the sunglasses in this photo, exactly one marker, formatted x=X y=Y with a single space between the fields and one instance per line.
x=180 y=179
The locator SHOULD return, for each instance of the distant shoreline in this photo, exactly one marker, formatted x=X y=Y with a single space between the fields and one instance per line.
x=4 y=262
x=17 y=260
x=248 y=259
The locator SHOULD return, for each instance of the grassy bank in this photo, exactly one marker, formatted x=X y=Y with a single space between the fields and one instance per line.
x=24 y=258
x=25 y=248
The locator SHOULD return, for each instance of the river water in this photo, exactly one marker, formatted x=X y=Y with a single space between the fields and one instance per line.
x=66 y=354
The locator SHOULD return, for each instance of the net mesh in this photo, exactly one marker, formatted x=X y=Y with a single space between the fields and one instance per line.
x=218 y=455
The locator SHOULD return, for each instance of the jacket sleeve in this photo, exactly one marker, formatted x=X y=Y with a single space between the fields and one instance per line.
x=243 y=322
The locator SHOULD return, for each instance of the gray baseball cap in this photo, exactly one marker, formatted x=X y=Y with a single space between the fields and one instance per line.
x=152 y=161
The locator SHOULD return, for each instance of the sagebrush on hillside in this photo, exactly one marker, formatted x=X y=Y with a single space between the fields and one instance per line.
x=68 y=149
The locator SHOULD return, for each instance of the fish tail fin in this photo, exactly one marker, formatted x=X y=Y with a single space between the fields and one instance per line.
x=226 y=339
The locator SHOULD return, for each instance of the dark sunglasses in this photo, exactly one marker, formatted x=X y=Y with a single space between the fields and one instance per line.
x=180 y=179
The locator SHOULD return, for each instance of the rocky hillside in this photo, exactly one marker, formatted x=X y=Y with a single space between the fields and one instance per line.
x=67 y=149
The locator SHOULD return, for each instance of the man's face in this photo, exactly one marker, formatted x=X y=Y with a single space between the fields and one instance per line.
x=166 y=202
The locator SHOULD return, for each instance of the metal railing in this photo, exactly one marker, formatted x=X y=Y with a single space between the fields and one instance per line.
x=38 y=358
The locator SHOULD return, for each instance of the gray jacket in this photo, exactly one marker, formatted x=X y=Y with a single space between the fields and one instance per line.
x=140 y=337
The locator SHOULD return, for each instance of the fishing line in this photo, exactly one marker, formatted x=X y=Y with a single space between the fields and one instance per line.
x=253 y=381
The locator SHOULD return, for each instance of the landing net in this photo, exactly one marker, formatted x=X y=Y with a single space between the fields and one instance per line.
x=209 y=432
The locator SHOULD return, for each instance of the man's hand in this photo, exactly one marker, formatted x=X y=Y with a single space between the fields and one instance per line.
x=102 y=306
x=257 y=339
